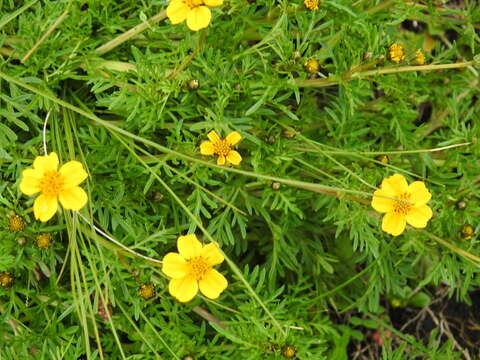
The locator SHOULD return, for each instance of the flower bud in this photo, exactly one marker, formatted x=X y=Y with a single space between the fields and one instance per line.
x=147 y=291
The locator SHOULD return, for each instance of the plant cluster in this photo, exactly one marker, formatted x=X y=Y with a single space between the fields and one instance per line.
x=343 y=184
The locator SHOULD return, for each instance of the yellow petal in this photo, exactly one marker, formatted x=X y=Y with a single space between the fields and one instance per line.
x=199 y=18
x=213 y=136
x=73 y=174
x=234 y=157
x=44 y=207
x=419 y=193
x=233 y=138
x=183 y=289
x=212 y=253
x=189 y=246
x=46 y=163
x=30 y=181
x=213 y=3
x=207 y=148
x=73 y=199
x=174 y=265
x=394 y=223
x=221 y=160
x=381 y=204
x=177 y=11
x=212 y=284
x=418 y=216
x=396 y=184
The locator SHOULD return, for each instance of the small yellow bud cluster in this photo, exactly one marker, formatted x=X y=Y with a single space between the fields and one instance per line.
x=44 y=241
x=312 y=65
x=419 y=58
x=289 y=351
x=311 y=4
x=147 y=291
x=467 y=231
x=16 y=223
x=6 y=279
x=396 y=53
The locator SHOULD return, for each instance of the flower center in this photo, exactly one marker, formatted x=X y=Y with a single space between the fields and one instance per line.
x=222 y=147
x=51 y=184
x=199 y=267
x=402 y=207
x=193 y=3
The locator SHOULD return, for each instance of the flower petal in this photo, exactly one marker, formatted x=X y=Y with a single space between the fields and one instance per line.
x=45 y=207
x=183 y=289
x=418 y=216
x=419 y=193
x=174 y=266
x=213 y=3
x=213 y=136
x=199 y=18
x=395 y=184
x=46 y=163
x=73 y=174
x=30 y=183
x=394 y=223
x=234 y=138
x=177 y=11
x=212 y=253
x=73 y=199
x=382 y=204
x=207 y=148
x=221 y=160
x=212 y=284
x=189 y=246
x=234 y=157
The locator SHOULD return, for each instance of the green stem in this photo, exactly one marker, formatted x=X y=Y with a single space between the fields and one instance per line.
x=129 y=34
x=459 y=251
x=300 y=184
x=335 y=80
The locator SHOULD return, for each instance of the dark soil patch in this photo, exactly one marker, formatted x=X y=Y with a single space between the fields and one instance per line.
x=452 y=320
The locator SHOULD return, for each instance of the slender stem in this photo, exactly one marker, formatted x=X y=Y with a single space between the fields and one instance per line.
x=335 y=80
x=400 y=152
x=454 y=248
x=129 y=34
x=44 y=133
x=118 y=243
x=44 y=36
x=5 y=20
x=116 y=129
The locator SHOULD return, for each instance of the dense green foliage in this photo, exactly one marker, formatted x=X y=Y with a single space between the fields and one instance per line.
x=316 y=257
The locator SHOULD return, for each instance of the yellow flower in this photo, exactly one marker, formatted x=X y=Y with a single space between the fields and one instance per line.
x=396 y=53
x=54 y=186
x=191 y=269
x=414 y=210
x=311 y=4
x=222 y=147
x=198 y=15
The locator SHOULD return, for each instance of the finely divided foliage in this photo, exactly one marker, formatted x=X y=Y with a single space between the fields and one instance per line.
x=339 y=182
